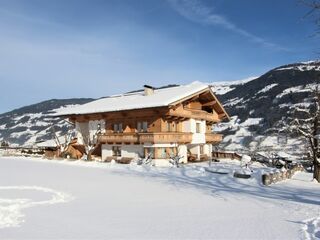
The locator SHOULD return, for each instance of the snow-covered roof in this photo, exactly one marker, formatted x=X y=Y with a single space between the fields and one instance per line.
x=137 y=100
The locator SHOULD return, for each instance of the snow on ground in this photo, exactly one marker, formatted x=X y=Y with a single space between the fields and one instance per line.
x=233 y=101
x=43 y=199
x=233 y=123
x=251 y=122
x=19 y=134
x=267 y=88
x=233 y=82
x=303 y=66
x=11 y=209
x=223 y=89
x=295 y=89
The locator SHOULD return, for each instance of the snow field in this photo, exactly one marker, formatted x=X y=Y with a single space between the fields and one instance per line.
x=11 y=214
x=92 y=200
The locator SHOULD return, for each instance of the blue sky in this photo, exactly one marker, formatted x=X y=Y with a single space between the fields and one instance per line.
x=94 y=48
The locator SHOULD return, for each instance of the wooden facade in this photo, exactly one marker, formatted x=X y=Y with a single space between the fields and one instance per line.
x=186 y=122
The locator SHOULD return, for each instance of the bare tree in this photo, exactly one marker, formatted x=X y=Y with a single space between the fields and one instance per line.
x=314 y=12
x=307 y=124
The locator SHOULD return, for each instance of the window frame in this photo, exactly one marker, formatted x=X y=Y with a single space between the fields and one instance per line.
x=117 y=127
x=116 y=151
x=198 y=127
x=144 y=126
x=139 y=126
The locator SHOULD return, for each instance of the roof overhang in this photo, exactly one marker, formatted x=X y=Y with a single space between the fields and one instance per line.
x=217 y=104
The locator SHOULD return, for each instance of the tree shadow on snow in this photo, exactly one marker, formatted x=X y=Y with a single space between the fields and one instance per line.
x=221 y=185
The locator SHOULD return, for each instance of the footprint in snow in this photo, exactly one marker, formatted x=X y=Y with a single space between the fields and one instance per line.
x=11 y=209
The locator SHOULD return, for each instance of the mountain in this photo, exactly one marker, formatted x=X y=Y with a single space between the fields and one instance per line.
x=258 y=108
x=30 y=124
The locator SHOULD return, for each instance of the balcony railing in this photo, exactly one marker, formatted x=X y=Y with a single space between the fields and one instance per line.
x=164 y=137
x=161 y=137
x=213 y=138
x=119 y=138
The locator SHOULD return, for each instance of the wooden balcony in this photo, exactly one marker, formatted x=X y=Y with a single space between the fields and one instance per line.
x=213 y=138
x=159 y=137
x=193 y=113
x=119 y=138
x=135 y=138
x=166 y=137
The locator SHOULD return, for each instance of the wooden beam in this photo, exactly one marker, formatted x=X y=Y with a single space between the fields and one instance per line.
x=209 y=103
x=205 y=95
x=194 y=98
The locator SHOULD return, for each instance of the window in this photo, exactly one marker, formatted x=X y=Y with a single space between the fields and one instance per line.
x=148 y=151
x=145 y=126
x=198 y=128
x=165 y=153
x=162 y=153
x=117 y=127
x=171 y=126
x=116 y=151
x=174 y=127
x=142 y=126
x=171 y=151
x=139 y=127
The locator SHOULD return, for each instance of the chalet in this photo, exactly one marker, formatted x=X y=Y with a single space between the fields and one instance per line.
x=159 y=122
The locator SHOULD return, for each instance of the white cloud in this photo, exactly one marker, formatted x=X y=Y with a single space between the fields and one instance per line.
x=195 y=11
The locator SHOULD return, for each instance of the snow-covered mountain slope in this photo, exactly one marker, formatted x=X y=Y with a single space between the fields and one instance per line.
x=260 y=107
x=27 y=125
x=221 y=88
x=257 y=106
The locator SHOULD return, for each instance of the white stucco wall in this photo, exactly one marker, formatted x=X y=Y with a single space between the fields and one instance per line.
x=82 y=130
x=207 y=149
x=190 y=126
x=182 y=151
x=198 y=138
x=106 y=151
x=87 y=130
x=132 y=151
x=93 y=129
x=194 y=149
x=187 y=126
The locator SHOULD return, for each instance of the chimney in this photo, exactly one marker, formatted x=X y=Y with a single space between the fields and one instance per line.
x=148 y=90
